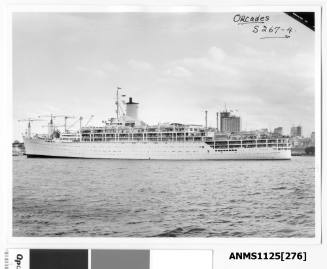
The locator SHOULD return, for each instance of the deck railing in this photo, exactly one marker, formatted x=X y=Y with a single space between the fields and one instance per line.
x=281 y=143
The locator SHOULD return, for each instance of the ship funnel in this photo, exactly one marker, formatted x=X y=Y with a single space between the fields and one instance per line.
x=132 y=109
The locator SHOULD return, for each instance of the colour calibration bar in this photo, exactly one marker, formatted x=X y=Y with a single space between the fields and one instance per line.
x=107 y=259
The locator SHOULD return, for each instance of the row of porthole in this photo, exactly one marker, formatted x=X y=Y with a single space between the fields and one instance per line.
x=221 y=150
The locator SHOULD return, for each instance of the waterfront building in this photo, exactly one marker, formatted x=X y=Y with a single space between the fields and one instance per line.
x=229 y=123
x=296 y=131
x=312 y=138
x=17 y=148
x=278 y=130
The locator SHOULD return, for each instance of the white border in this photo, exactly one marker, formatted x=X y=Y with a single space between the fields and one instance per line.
x=137 y=243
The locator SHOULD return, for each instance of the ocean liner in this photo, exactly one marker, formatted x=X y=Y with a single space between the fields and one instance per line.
x=127 y=137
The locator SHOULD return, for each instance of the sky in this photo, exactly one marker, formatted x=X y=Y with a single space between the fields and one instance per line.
x=176 y=65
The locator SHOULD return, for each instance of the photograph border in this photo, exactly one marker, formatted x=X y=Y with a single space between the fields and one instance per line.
x=128 y=242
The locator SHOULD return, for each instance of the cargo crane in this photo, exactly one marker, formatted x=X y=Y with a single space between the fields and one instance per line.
x=89 y=120
x=80 y=119
x=52 y=117
x=51 y=125
x=66 y=118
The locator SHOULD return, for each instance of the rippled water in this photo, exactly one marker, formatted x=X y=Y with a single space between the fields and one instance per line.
x=126 y=198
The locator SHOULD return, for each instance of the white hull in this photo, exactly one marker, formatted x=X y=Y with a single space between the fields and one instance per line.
x=147 y=150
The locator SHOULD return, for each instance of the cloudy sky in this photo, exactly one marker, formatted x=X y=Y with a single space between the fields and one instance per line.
x=176 y=65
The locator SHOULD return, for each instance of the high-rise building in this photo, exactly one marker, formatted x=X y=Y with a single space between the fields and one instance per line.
x=278 y=130
x=312 y=138
x=229 y=123
x=296 y=131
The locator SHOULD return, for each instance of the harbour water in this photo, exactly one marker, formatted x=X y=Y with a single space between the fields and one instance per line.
x=133 y=198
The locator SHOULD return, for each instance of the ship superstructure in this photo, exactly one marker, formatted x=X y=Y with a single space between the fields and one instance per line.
x=126 y=137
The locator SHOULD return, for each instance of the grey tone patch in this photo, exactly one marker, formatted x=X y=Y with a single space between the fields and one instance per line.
x=120 y=259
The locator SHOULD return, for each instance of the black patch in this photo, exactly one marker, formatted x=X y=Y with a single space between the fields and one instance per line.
x=306 y=18
x=58 y=259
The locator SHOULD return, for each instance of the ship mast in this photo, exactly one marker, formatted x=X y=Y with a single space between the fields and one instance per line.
x=206 y=119
x=117 y=103
x=29 y=126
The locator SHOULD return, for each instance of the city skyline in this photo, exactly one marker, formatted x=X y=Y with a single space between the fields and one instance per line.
x=72 y=63
x=220 y=127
